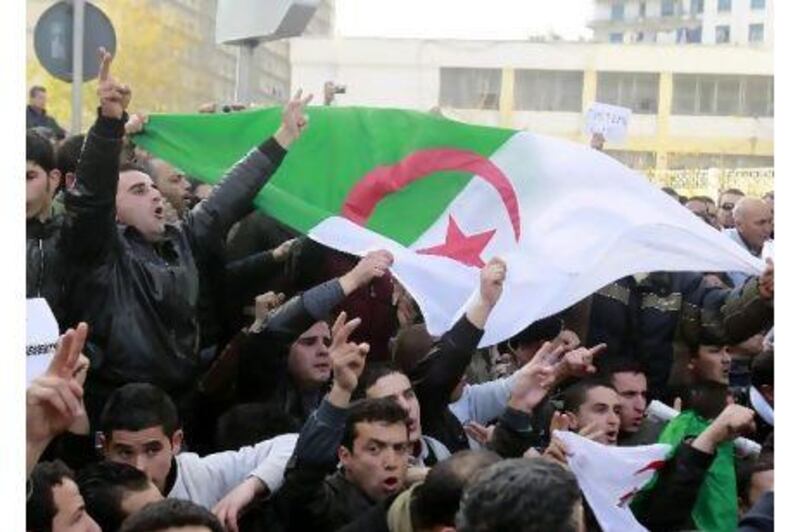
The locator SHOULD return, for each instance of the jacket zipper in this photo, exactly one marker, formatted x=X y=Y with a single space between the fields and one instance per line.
x=41 y=270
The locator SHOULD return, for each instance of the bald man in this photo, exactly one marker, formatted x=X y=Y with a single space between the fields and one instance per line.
x=752 y=218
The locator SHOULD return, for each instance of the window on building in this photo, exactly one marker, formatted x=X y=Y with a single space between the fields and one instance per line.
x=723 y=34
x=667 y=8
x=469 y=88
x=636 y=90
x=615 y=37
x=691 y=161
x=756 y=33
x=697 y=7
x=758 y=4
x=548 y=90
x=723 y=6
x=643 y=9
x=722 y=95
x=618 y=11
x=694 y=35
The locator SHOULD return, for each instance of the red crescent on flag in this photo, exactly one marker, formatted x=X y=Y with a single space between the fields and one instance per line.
x=382 y=181
x=654 y=466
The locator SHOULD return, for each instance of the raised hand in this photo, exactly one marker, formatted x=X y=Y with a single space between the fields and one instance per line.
x=480 y=433
x=533 y=380
x=54 y=400
x=228 y=509
x=114 y=97
x=281 y=253
x=136 y=123
x=373 y=265
x=294 y=120
x=493 y=275
x=734 y=421
x=264 y=304
x=579 y=362
x=348 y=360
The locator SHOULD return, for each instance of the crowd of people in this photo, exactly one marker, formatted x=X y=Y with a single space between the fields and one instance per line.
x=219 y=371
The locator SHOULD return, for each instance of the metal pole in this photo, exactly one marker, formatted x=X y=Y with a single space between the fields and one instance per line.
x=77 y=64
x=244 y=72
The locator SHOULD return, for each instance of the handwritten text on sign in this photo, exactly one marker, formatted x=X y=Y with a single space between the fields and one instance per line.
x=609 y=120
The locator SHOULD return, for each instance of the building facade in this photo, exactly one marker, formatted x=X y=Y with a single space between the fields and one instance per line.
x=717 y=22
x=693 y=107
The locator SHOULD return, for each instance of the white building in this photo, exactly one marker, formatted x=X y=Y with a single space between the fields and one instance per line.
x=739 y=22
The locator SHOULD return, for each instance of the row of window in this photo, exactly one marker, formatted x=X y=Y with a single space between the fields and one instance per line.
x=562 y=90
x=694 y=35
x=644 y=160
x=671 y=8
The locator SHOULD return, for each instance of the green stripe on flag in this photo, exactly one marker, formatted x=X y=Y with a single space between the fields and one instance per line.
x=339 y=147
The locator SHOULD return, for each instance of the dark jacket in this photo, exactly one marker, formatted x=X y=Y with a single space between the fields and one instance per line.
x=44 y=269
x=668 y=506
x=652 y=320
x=436 y=376
x=36 y=118
x=761 y=517
x=315 y=495
x=140 y=298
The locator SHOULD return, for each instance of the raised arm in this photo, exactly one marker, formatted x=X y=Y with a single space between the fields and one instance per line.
x=209 y=222
x=90 y=231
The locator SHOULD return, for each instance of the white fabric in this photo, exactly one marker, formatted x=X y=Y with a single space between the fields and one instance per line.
x=585 y=221
x=482 y=403
x=609 y=476
x=761 y=406
x=206 y=480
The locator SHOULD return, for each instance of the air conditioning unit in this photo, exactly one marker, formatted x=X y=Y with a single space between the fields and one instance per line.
x=239 y=21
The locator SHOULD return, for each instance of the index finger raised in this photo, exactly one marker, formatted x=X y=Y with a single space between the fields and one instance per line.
x=105 y=63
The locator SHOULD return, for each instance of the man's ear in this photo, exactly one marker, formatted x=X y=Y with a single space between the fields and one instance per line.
x=69 y=180
x=344 y=455
x=104 y=443
x=573 y=421
x=53 y=179
x=177 y=441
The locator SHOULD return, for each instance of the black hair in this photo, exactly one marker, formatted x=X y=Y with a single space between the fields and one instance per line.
x=136 y=166
x=36 y=88
x=103 y=485
x=575 y=395
x=745 y=469
x=542 y=330
x=139 y=406
x=170 y=513
x=701 y=199
x=69 y=152
x=533 y=495
x=735 y=191
x=39 y=150
x=372 y=374
x=411 y=345
x=384 y=410
x=250 y=423
x=41 y=508
x=707 y=398
x=608 y=367
x=762 y=370
x=435 y=502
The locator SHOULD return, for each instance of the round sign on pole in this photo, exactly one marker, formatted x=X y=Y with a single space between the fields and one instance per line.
x=52 y=40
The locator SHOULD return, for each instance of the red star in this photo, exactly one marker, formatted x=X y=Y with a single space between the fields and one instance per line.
x=458 y=246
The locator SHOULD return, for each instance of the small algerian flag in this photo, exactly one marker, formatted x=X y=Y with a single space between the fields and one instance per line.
x=445 y=197
x=610 y=477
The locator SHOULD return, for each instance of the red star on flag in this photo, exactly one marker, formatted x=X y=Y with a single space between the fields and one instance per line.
x=458 y=246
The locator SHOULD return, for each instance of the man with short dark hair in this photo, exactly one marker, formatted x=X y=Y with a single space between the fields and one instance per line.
x=593 y=408
x=55 y=504
x=370 y=439
x=630 y=382
x=140 y=427
x=522 y=495
x=727 y=201
x=36 y=113
x=172 y=515
x=136 y=278
x=43 y=227
x=699 y=208
x=113 y=491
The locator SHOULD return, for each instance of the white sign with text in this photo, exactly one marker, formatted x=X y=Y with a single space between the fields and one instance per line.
x=611 y=121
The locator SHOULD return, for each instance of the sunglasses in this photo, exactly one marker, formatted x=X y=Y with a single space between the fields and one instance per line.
x=726 y=206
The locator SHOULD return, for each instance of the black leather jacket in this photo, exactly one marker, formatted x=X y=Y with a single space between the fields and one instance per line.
x=44 y=269
x=140 y=298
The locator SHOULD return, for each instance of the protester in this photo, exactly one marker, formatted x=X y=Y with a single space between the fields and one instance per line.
x=727 y=201
x=752 y=228
x=36 y=112
x=172 y=515
x=54 y=502
x=114 y=491
x=628 y=379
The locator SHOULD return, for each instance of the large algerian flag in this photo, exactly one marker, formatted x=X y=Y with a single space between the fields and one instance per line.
x=445 y=197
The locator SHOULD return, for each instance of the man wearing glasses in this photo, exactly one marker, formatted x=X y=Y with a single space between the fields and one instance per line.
x=727 y=201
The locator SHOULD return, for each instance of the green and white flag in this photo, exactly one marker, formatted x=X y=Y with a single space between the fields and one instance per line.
x=445 y=197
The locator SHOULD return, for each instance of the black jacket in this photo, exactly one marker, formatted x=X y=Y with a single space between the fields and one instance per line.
x=436 y=376
x=315 y=495
x=139 y=298
x=651 y=319
x=44 y=270
x=36 y=118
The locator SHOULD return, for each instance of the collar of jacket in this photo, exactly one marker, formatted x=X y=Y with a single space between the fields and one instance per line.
x=36 y=228
x=398 y=517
